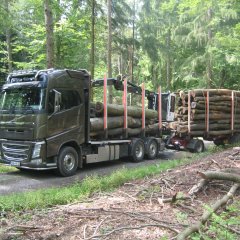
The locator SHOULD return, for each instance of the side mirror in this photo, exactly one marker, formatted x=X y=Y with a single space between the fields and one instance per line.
x=57 y=101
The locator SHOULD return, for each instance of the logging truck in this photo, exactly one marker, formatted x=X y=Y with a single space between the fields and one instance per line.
x=48 y=122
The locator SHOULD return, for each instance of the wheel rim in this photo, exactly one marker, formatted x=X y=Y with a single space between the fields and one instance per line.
x=139 y=151
x=69 y=162
x=153 y=149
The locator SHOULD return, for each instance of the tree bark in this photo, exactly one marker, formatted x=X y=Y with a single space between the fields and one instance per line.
x=117 y=132
x=118 y=110
x=202 y=126
x=114 y=122
x=109 y=49
x=220 y=175
x=92 y=54
x=211 y=133
x=168 y=60
x=8 y=40
x=92 y=60
x=58 y=60
x=49 y=33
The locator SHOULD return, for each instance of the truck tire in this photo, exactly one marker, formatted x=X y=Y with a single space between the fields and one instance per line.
x=67 y=162
x=151 y=148
x=234 y=139
x=219 y=142
x=199 y=147
x=137 y=150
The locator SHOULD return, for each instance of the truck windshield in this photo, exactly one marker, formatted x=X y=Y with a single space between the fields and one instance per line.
x=22 y=100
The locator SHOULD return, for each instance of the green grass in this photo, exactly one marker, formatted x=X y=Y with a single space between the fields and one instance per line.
x=5 y=169
x=82 y=190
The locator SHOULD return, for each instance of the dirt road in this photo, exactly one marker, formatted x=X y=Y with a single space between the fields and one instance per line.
x=19 y=181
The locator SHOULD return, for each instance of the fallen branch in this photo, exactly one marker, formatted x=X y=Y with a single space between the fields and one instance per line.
x=132 y=228
x=196 y=188
x=24 y=228
x=220 y=175
x=96 y=229
x=207 y=214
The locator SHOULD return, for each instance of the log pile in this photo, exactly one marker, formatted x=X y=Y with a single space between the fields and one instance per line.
x=218 y=117
x=116 y=121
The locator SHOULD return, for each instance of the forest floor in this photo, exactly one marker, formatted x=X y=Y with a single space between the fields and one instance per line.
x=141 y=209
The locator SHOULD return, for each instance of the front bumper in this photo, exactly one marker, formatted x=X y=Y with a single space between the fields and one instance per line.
x=31 y=166
x=20 y=154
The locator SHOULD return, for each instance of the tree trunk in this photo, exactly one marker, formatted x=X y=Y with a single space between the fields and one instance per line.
x=92 y=58
x=49 y=33
x=58 y=60
x=114 y=122
x=133 y=42
x=109 y=48
x=118 y=110
x=8 y=40
x=209 y=57
x=117 y=132
x=202 y=126
x=168 y=63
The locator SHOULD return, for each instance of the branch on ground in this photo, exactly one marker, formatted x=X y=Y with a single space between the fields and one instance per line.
x=226 y=175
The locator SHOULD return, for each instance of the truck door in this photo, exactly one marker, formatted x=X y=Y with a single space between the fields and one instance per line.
x=67 y=123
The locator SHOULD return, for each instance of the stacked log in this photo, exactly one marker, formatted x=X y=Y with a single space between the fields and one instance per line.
x=223 y=112
x=115 y=120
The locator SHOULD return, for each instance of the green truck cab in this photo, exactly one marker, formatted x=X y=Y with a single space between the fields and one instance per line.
x=41 y=115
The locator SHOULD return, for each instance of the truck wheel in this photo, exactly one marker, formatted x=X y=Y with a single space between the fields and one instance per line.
x=67 y=162
x=137 y=151
x=151 y=148
x=199 y=146
x=219 y=142
x=235 y=138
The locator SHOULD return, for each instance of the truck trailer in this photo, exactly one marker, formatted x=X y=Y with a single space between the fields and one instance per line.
x=45 y=122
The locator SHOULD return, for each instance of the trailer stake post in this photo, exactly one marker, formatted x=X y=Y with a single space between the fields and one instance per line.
x=189 y=112
x=232 y=112
x=207 y=114
x=160 y=111
x=125 y=127
x=105 y=107
x=143 y=110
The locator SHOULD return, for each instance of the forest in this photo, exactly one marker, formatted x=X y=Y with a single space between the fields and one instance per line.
x=178 y=44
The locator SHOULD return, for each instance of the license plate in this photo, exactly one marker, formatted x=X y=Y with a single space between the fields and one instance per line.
x=15 y=164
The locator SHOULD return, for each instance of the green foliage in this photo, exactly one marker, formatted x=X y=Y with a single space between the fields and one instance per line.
x=177 y=44
x=222 y=226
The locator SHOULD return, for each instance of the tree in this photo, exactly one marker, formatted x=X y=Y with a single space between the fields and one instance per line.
x=49 y=34
x=92 y=59
x=109 y=47
x=8 y=38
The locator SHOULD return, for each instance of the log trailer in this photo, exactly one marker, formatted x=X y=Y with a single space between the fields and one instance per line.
x=212 y=114
x=45 y=122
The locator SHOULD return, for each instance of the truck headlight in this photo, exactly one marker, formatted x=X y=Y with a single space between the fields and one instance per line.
x=37 y=150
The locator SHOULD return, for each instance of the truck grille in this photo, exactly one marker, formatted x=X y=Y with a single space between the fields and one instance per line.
x=15 y=152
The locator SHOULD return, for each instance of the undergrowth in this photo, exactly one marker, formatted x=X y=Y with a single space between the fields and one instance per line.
x=224 y=226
